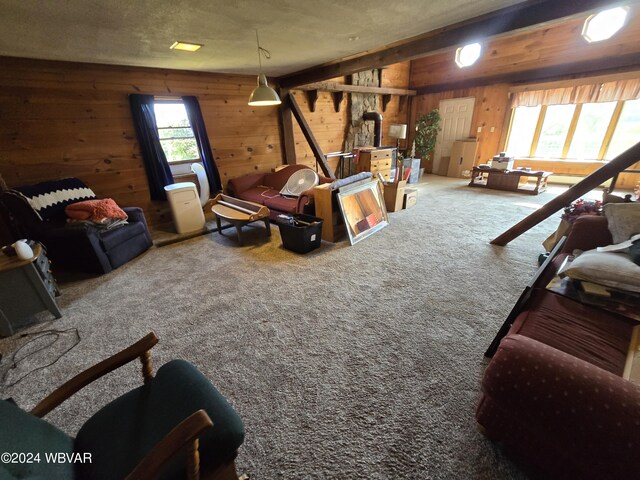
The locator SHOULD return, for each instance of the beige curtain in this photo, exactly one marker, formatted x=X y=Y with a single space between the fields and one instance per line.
x=601 y=92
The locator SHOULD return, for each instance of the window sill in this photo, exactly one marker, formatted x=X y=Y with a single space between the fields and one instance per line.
x=182 y=168
x=560 y=160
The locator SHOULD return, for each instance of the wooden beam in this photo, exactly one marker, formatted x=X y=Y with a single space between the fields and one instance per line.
x=604 y=173
x=286 y=129
x=312 y=96
x=337 y=99
x=306 y=131
x=385 y=101
x=340 y=87
x=517 y=17
x=630 y=61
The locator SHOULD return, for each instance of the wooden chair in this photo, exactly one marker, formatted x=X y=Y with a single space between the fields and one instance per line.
x=176 y=425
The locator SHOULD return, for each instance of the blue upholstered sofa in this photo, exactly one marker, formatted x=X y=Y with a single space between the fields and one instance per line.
x=37 y=213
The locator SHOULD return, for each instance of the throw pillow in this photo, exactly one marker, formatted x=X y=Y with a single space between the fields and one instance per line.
x=615 y=270
x=98 y=211
x=623 y=220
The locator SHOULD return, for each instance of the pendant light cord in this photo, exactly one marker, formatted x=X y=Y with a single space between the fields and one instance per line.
x=261 y=51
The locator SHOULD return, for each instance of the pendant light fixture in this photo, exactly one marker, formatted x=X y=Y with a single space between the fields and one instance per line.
x=263 y=94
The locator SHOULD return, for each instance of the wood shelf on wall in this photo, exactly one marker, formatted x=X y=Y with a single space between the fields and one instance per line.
x=338 y=90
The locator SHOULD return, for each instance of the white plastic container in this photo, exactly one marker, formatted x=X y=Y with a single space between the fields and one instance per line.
x=185 y=207
x=502 y=163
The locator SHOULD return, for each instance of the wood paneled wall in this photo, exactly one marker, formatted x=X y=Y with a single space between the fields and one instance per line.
x=489 y=112
x=551 y=45
x=492 y=111
x=329 y=127
x=61 y=119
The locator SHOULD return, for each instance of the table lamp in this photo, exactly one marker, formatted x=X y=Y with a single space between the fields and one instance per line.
x=398 y=131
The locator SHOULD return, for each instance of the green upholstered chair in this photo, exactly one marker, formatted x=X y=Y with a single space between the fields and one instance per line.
x=175 y=426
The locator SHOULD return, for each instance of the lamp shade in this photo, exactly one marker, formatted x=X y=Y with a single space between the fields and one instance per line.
x=398 y=131
x=263 y=94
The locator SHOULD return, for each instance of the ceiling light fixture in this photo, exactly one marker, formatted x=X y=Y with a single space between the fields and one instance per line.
x=263 y=94
x=467 y=55
x=604 y=25
x=186 y=46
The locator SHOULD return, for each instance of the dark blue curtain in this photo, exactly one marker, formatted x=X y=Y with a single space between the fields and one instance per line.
x=155 y=161
x=202 y=140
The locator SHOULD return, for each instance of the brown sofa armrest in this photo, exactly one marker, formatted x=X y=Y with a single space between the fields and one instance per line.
x=305 y=198
x=593 y=413
x=239 y=184
x=587 y=233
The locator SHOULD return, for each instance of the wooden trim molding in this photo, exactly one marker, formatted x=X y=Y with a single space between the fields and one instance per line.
x=599 y=66
x=341 y=87
x=611 y=129
x=572 y=130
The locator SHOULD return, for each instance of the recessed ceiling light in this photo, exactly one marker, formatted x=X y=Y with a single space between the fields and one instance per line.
x=467 y=55
x=186 y=46
x=604 y=25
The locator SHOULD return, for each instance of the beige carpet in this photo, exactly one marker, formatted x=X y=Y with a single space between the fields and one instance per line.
x=349 y=362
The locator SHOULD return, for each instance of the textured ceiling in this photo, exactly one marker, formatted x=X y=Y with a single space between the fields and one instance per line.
x=298 y=33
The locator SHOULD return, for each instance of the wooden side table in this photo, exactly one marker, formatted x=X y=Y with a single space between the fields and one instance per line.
x=27 y=288
x=239 y=213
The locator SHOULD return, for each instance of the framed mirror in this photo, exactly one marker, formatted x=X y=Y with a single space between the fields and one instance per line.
x=363 y=210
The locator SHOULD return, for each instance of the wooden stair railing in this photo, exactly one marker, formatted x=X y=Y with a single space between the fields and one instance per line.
x=604 y=173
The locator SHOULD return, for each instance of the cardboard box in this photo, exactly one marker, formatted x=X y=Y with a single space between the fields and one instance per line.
x=410 y=197
x=394 y=195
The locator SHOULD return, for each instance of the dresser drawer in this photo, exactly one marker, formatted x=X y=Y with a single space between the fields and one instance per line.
x=381 y=164
x=381 y=154
x=43 y=267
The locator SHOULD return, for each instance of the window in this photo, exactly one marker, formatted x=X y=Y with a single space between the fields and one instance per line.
x=523 y=127
x=583 y=131
x=627 y=131
x=591 y=128
x=176 y=135
x=555 y=126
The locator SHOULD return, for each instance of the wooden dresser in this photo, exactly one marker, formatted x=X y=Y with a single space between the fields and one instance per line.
x=376 y=161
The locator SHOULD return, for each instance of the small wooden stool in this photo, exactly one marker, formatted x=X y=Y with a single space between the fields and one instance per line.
x=239 y=213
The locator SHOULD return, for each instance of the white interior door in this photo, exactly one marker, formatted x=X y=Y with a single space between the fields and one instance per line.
x=456 y=125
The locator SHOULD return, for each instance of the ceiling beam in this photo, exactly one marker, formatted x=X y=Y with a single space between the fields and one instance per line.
x=506 y=20
x=630 y=61
x=339 y=87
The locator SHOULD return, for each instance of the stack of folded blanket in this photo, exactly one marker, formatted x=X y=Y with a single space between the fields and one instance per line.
x=104 y=213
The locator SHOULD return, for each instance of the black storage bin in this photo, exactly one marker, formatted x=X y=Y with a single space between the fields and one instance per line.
x=302 y=233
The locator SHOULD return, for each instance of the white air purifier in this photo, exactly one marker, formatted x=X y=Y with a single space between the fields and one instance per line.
x=185 y=207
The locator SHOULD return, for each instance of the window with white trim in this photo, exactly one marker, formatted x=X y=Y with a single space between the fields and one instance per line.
x=174 y=130
x=574 y=131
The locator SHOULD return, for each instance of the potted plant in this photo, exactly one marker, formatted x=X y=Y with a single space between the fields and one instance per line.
x=427 y=128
